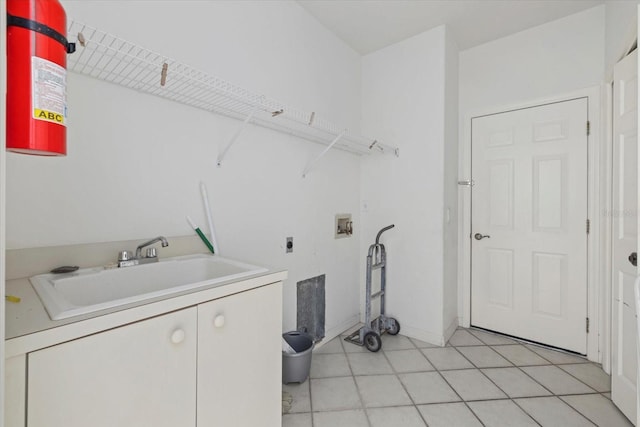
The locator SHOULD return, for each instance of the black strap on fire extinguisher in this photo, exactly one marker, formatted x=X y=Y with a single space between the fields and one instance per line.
x=29 y=24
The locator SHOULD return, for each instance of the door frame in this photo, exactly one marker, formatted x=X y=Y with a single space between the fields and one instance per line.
x=598 y=188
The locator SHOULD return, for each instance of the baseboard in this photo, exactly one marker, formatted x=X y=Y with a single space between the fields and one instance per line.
x=335 y=331
x=451 y=329
x=422 y=335
x=408 y=331
x=462 y=323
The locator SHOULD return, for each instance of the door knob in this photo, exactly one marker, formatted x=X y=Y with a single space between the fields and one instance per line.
x=479 y=236
x=633 y=259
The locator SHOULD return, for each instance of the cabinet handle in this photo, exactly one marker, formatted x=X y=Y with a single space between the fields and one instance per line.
x=218 y=322
x=177 y=336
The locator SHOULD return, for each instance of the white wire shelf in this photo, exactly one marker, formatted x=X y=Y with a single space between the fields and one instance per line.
x=112 y=59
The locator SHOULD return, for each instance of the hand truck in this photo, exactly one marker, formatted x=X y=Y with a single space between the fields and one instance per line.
x=369 y=334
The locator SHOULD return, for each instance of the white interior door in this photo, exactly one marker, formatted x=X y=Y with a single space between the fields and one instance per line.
x=625 y=234
x=529 y=223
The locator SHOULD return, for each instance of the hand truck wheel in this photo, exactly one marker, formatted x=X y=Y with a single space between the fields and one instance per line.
x=394 y=327
x=372 y=341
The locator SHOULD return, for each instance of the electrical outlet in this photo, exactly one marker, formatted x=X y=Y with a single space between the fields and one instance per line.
x=289 y=244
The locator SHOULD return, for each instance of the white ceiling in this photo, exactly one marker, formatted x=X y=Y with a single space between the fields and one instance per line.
x=369 y=25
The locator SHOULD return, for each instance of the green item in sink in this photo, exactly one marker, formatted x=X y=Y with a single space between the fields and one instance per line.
x=201 y=234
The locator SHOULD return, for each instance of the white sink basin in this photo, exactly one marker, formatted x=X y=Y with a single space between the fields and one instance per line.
x=92 y=289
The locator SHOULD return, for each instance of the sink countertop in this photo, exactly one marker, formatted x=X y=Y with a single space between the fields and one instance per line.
x=28 y=326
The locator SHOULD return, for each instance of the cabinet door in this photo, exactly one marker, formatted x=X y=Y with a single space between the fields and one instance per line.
x=15 y=389
x=240 y=359
x=142 y=374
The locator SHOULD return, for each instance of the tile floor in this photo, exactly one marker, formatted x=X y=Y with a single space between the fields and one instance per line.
x=478 y=379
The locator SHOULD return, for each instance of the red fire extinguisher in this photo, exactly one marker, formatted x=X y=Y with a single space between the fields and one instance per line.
x=37 y=50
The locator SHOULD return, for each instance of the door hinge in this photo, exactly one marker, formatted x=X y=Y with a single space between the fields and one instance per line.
x=587 y=325
x=588 y=226
x=588 y=128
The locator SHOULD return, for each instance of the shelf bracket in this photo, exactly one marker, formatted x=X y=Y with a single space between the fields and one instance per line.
x=314 y=161
x=222 y=155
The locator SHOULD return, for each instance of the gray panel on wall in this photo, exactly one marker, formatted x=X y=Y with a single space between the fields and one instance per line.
x=311 y=306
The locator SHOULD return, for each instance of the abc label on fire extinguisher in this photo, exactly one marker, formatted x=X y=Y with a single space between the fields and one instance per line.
x=49 y=91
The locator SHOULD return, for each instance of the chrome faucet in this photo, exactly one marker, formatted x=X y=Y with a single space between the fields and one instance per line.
x=126 y=260
x=151 y=242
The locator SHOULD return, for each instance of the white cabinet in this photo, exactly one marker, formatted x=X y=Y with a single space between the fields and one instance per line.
x=141 y=374
x=215 y=364
x=240 y=360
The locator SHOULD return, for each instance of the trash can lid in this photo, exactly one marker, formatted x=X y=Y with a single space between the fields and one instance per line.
x=299 y=341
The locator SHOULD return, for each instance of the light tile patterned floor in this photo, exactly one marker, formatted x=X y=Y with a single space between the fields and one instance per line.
x=479 y=379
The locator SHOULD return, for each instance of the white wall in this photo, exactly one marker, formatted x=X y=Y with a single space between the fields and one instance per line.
x=134 y=162
x=554 y=58
x=403 y=99
x=543 y=62
x=620 y=31
x=275 y=47
x=450 y=238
